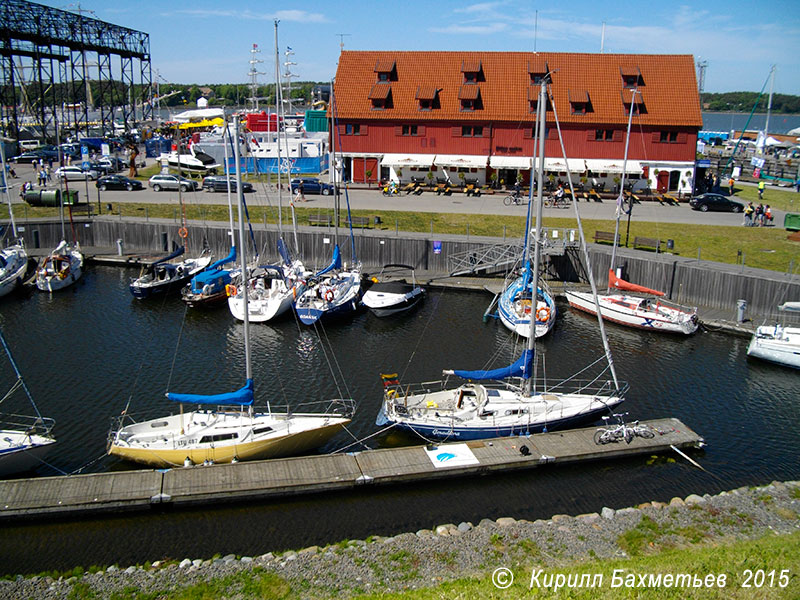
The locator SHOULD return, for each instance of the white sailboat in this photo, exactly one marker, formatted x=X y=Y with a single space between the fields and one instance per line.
x=226 y=427
x=778 y=343
x=61 y=268
x=13 y=258
x=640 y=307
x=24 y=439
x=515 y=402
x=273 y=288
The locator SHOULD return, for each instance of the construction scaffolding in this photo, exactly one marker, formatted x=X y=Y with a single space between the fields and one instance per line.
x=51 y=61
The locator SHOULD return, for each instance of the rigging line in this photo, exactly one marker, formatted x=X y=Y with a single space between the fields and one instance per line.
x=11 y=390
x=19 y=375
x=337 y=373
x=424 y=329
x=362 y=440
x=177 y=347
x=84 y=467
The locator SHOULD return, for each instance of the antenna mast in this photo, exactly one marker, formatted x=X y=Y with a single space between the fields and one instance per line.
x=253 y=73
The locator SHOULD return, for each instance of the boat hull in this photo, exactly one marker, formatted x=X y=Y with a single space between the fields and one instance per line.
x=13 y=275
x=515 y=314
x=624 y=310
x=337 y=300
x=384 y=303
x=776 y=344
x=20 y=453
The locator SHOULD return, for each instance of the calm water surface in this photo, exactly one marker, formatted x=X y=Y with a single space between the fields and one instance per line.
x=85 y=354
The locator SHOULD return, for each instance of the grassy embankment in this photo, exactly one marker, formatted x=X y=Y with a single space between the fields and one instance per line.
x=761 y=247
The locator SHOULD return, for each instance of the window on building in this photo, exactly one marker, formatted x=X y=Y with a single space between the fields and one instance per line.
x=409 y=130
x=631 y=76
x=470 y=97
x=539 y=70
x=533 y=99
x=381 y=96
x=604 y=135
x=638 y=102
x=428 y=97
x=472 y=131
x=352 y=129
x=668 y=137
x=472 y=71
x=386 y=69
x=579 y=102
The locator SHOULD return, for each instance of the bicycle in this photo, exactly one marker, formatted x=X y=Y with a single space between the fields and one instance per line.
x=622 y=431
x=556 y=202
x=513 y=198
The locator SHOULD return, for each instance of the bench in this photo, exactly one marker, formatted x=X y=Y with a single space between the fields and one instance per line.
x=320 y=220
x=640 y=242
x=595 y=196
x=605 y=236
x=359 y=221
x=472 y=190
x=671 y=200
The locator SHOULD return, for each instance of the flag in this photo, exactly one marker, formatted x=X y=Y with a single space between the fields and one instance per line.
x=289 y=48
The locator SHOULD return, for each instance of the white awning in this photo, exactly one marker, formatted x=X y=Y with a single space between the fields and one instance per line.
x=460 y=160
x=610 y=165
x=510 y=162
x=407 y=160
x=576 y=165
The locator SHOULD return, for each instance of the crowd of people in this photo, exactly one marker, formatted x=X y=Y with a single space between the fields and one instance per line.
x=757 y=216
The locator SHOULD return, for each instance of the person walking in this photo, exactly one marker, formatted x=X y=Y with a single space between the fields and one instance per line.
x=730 y=186
x=748 y=215
x=759 y=215
x=761 y=186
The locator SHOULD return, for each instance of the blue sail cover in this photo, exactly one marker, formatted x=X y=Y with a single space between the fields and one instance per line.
x=178 y=251
x=230 y=258
x=243 y=396
x=523 y=367
x=213 y=275
x=336 y=262
x=526 y=276
x=284 y=252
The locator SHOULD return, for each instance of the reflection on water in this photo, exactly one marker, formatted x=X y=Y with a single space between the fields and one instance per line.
x=86 y=352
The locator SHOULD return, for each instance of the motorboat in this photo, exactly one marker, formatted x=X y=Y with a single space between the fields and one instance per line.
x=777 y=343
x=388 y=294
x=191 y=160
x=61 y=268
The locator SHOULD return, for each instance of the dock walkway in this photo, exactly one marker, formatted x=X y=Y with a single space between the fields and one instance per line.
x=138 y=490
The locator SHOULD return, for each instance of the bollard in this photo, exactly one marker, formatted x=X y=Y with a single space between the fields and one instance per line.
x=119 y=248
x=741 y=305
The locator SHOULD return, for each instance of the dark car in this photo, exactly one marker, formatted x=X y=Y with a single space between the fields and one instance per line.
x=218 y=183
x=718 y=202
x=117 y=182
x=32 y=156
x=312 y=185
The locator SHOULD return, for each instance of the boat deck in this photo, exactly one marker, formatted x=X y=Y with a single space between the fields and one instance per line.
x=138 y=490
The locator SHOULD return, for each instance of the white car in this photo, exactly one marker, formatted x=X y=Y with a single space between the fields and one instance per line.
x=74 y=173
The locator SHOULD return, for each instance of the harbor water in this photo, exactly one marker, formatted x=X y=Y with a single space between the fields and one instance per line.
x=93 y=351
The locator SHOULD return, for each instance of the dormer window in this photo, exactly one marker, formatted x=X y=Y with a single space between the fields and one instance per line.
x=473 y=71
x=538 y=69
x=470 y=97
x=533 y=98
x=631 y=76
x=381 y=96
x=386 y=70
x=638 y=102
x=579 y=102
x=428 y=97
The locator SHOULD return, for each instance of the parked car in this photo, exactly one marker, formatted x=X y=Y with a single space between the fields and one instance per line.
x=112 y=164
x=172 y=182
x=718 y=202
x=117 y=182
x=219 y=183
x=312 y=185
x=44 y=154
x=75 y=173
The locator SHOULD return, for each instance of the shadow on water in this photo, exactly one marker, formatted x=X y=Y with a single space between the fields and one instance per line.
x=86 y=354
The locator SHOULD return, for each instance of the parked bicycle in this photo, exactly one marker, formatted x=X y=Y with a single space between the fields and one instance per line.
x=622 y=431
x=514 y=198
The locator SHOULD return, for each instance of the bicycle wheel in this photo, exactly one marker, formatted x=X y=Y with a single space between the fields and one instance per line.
x=548 y=202
x=645 y=432
x=601 y=437
x=508 y=200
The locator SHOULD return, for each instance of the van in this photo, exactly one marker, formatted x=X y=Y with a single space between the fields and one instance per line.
x=25 y=145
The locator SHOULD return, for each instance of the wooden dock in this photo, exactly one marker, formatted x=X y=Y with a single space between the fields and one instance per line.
x=71 y=496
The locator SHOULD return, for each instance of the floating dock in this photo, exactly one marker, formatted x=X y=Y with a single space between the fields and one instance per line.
x=77 y=495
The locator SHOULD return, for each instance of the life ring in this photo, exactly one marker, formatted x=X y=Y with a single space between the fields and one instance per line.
x=231 y=290
x=329 y=295
x=183 y=232
x=543 y=314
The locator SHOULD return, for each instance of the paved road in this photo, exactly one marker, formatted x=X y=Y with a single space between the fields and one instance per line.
x=372 y=199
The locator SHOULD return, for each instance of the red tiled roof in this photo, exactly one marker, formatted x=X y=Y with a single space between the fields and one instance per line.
x=379 y=91
x=672 y=96
x=384 y=65
x=578 y=95
x=471 y=65
x=469 y=91
x=538 y=64
x=426 y=92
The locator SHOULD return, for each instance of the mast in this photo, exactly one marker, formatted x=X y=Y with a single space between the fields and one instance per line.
x=227 y=133
x=5 y=184
x=278 y=131
x=242 y=258
x=769 y=104
x=621 y=197
x=537 y=252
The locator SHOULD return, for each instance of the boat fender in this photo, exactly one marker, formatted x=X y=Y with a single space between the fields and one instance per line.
x=543 y=314
x=230 y=290
x=329 y=295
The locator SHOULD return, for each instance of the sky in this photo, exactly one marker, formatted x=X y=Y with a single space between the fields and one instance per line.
x=206 y=42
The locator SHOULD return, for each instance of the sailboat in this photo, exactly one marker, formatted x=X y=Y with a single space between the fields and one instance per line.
x=334 y=291
x=641 y=307
x=273 y=288
x=13 y=258
x=226 y=427
x=506 y=401
x=778 y=343
x=24 y=439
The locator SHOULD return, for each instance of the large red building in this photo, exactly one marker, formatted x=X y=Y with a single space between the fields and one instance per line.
x=469 y=116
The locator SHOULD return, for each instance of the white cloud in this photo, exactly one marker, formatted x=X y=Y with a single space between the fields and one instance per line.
x=485 y=29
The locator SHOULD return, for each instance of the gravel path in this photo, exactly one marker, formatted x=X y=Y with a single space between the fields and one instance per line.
x=451 y=551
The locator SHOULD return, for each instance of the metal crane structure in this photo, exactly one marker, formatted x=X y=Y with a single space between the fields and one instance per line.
x=46 y=54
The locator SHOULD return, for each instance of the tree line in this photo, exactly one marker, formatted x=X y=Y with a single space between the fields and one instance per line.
x=744 y=102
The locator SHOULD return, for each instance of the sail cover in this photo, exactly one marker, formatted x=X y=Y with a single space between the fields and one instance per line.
x=243 y=396
x=336 y=262
x=230 y=258
x=178 y=251
x=522 y=367
x=284 y=252
x=621 y=284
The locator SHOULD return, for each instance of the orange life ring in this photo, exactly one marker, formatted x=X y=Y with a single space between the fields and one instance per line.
x=543 y=314
x=231 y=290
x=183 y=232
x=329 y=296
